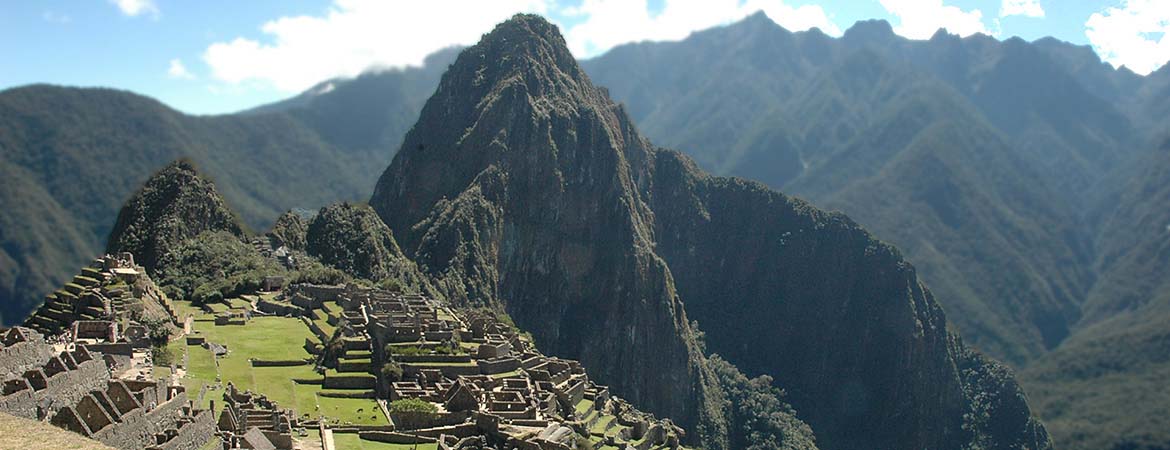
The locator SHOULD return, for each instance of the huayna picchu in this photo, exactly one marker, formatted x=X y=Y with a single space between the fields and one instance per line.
x=530 y=273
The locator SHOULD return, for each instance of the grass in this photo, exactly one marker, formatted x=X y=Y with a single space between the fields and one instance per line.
x=267 y=338
x=470 y=346
x=439 y=364
x=601 y=424
x=323 y=323
x=351 y=441
x=183 y=308
x=583 y=407
x=16 y=432
x=346 y=410
x=271 y=338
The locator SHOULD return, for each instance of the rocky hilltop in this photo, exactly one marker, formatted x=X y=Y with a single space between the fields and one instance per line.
x=524 y=186
x=174 y=205
x=518 y=188
x=353 y=239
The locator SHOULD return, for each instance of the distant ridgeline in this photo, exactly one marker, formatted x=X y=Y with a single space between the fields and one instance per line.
x=1025 y=180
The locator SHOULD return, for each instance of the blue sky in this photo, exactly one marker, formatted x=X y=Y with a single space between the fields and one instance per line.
x=217 y=56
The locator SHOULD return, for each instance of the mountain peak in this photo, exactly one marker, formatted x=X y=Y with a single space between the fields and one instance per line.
x=526 y=36
x=870 y=30
x=175 y=204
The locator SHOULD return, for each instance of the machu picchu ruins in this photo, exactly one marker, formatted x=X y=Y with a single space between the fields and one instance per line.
x=111 y=358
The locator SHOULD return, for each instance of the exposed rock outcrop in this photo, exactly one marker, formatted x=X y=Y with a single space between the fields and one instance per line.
x=289 y=231
x=517 y=188
x=524 y=186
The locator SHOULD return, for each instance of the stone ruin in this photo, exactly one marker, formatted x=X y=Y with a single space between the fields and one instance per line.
x=73 y=389
x=101 y=298
x=489 y=385
x=252 y=421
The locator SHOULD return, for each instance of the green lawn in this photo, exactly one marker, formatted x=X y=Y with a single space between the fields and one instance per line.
x=271 y=338
x=183 y=308
x=346 y=409
x=440 y=364
x=351 y=441
x=217 y=307
x=323 y=323
x=603 y=422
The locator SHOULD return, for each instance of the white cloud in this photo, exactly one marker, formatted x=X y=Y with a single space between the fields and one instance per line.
x=1027 y=8
x=54 y=17
x=608 y=23
x=135 y=8
x=353 y=36
x=920 y=19
x=178 y=70
x=1134 y=34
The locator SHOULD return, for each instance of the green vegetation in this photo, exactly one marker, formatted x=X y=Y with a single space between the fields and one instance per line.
x=351 y=441
x=273 y=339
x=757 y=412
x=392 y=371
x=289 y=230
x=214 y=266
x=163 y=356
x=416 y=350
x=352 y=238
x=72 y=156
x=411 y=405
x=174 y=205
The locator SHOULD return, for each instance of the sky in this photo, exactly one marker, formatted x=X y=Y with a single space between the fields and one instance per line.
x=219 y=56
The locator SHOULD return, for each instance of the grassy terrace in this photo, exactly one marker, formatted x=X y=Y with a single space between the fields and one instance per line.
x=323 y=323
x=268 y=338
x=583 y=407
x=351 y=441
x=440 y=364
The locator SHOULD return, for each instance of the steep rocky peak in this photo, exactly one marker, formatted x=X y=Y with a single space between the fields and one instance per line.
x=759 y=22
x=517 y=100
x=874 y=30
x=525 y=48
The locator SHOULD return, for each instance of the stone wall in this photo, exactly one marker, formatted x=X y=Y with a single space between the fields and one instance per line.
x=193 y=434
x=498 y=365
x=65 y=388
x=349 y=382
x=138 y=428
x=22 y=349
x=19 y=399
x=394 y=437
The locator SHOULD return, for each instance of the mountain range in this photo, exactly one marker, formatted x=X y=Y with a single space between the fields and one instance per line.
x=1024 y=181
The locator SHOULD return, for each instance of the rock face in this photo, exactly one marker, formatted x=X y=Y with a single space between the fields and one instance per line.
x=518 y=188
x=289 y=230
x=174 y=205
x=353 y=239
x=524 y=186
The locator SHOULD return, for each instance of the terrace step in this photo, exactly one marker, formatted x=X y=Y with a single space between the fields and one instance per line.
x=349 y=366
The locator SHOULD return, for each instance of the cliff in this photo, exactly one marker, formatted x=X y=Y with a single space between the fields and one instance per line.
x=523 y=186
